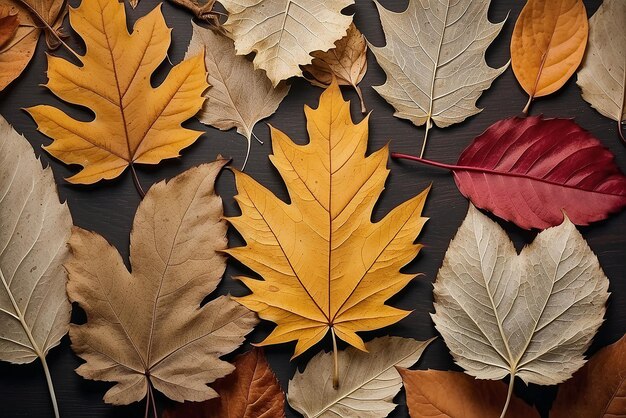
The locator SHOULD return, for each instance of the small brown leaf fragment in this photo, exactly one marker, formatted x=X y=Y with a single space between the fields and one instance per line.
x=9 y=22
x=251 y=391
x=598 y=389
x=347 y=62
x=439 y=394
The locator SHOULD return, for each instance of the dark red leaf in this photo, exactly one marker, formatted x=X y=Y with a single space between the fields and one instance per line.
x=531 y=170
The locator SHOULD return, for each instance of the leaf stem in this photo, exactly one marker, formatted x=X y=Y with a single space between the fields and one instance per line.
x=245 y=161
x=508 y=396
x=154 y=408
x=46 y=371
x=360 y=94
x=428 y=126
x=136 y=181
x=527 y=107
x=145 y=415
x=50 y=28
x=620 y=132
x=257 y=138
x=424 y=161
x=336 y=360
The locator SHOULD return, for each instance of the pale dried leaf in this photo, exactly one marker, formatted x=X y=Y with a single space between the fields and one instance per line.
x=239 y=95
x=531 y=315
x=435 y=59
x=369 y=380
x=602 y=77
x=147 y=327
x=347 y=62
x=34 y=230
x=284 y=33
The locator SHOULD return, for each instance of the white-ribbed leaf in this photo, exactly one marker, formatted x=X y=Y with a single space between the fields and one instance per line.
x=531 y=315
x=369 y=381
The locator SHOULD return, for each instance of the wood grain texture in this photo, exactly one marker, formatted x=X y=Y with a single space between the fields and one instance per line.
x=109 y=208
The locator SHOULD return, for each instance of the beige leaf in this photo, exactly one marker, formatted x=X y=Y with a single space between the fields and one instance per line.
x=146 y=328
x=347 y=62
x=531 y=315
x=369 y=380
x=284 y=33
x=435 y=60
x=34 y=229
x=602 y=77
x=239 y=95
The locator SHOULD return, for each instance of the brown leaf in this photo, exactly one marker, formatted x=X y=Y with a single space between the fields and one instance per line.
x=438 y=394
x=146 y=328
x=9 y=22
x=251 y=391
x=598 y=389
x=347 y=62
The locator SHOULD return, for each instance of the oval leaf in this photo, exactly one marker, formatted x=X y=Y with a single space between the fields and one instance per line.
x=602 y=77
x=548 y=44
x=371 y=380
x=531 y=315
x=528 y=171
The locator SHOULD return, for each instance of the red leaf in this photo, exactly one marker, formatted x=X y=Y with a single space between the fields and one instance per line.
x=531 y=170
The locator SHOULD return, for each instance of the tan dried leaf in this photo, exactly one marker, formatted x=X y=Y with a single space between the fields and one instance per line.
x=284 y=33
x=347 y=62
x=531 y=315
x=146 y=328
x=371 y=380
x=602 y=77
x=9 y=22
x=239 y=95
x=34 y=229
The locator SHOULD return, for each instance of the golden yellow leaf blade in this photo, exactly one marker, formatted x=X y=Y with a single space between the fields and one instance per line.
x=324 y=264
x=548 y=44
x=134 y=122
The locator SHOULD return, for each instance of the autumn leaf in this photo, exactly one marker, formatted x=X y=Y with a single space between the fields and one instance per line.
x=35 y=228
x=602 y=77
x=528 y=171
x=283 y=33
x=146 y=329
x=434 y=74
x=239 y=95
x=434 y=393
x=531 y=315
x=33 y=15
x=548 y=45
x=305 y=250
x=134 y=123
x=347 y=62
x=602 y=381
x=9 y=22
x=251 y=391
x=371 y=380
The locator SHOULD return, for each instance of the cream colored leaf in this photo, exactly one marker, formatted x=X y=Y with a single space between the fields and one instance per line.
x=370 y=384
x=239 y=95
x=284 y=33
x=435 y=59
x=531 y=315
x=347 y=62
x=34 y=229
x=602 y=77
x=146 y=328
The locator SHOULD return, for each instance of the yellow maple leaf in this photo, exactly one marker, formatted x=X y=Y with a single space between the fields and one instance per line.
x=325 y=265
x=134 y=122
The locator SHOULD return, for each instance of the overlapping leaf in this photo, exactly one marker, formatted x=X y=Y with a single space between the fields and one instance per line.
x=134 y=122
x=283 y=33
x=435 y=60
x=528 y=171
x=239 y=95
x=602 y=77
x=325 y=266
x=34 y=229
x=548 y=45
x=146 y=328
x=531 y=315
x=370 y=381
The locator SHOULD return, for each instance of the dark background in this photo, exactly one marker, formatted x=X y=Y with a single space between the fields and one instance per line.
x=109 y=207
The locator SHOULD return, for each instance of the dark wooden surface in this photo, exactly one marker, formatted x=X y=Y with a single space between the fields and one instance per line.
x=109 y=207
